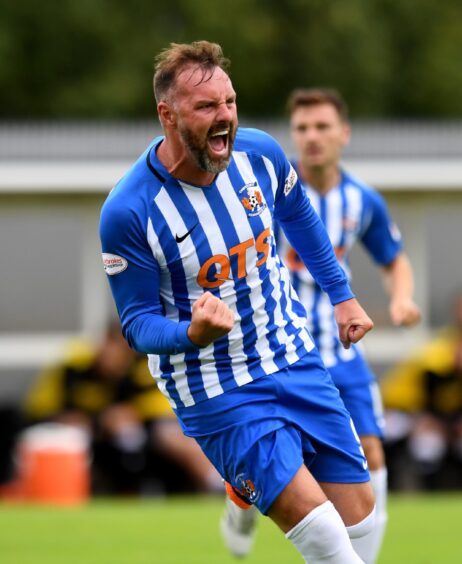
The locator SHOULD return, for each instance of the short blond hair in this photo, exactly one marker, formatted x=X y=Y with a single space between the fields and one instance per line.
x=177 y=56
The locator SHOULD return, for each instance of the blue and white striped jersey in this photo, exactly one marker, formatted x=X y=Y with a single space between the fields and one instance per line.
x=350 y=212
x=165 y=242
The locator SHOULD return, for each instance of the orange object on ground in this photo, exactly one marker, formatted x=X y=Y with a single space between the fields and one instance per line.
x=53 y=465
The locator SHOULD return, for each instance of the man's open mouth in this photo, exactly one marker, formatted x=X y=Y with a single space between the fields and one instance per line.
x=218 y=141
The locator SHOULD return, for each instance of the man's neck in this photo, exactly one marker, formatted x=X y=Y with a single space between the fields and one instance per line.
x=180 y=165
x=321 y=179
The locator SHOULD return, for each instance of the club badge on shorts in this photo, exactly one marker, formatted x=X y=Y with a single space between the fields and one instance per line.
x=247 y=488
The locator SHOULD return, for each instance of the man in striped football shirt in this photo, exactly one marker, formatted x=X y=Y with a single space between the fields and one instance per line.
x=188 y=245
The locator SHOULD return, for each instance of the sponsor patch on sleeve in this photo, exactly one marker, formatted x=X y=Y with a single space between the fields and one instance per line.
x=290 y=182
x=113 y=264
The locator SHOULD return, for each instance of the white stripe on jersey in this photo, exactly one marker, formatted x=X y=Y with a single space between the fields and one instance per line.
x=272 y=174
x=377 y=404
x=334 y=219
x=326 y=321
x=355 y=208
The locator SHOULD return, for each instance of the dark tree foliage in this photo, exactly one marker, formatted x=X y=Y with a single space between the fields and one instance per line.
x=94 y=58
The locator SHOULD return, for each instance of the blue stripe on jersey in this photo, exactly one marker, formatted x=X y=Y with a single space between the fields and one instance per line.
x=257 y=227
x=166 y=370
x=179 y=288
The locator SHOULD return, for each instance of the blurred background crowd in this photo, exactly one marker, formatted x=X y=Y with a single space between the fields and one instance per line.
x=76 y=107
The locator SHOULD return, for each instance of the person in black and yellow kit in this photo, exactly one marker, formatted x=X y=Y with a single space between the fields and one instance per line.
x=423 y=401
x=137 y=444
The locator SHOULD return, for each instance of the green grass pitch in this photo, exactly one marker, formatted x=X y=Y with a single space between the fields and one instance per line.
x=422 y=530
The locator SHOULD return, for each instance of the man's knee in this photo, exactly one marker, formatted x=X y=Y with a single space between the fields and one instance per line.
x=364 y=526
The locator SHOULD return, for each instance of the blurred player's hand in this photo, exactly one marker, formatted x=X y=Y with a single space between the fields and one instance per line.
x=211 y=319
x=353 y=322
x=404 y=312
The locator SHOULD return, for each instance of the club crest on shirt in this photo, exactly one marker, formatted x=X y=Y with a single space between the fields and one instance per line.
x=252 y=199
x=247 y=488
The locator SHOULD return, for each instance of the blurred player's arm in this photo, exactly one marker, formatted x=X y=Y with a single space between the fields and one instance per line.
x=382 y=240
x=399 y=283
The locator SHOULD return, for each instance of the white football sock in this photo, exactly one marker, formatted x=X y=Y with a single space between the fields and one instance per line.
x=321 y=536
x=368 y=546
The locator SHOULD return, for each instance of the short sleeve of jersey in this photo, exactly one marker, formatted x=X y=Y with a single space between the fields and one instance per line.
x=380 y=235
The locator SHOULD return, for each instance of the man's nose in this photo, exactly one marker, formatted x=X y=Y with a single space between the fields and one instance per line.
x=225 y=112
x=311 y=134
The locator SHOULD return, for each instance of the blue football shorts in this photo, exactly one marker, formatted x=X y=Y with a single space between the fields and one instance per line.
x=360 y=394
x=258 y=436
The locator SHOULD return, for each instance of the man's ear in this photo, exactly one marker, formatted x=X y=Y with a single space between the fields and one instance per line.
x=166 y=113
x=346 y=135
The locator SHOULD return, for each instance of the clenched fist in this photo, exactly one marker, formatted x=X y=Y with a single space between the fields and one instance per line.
x=211 y=319
x=353 y=322
x=404 y=312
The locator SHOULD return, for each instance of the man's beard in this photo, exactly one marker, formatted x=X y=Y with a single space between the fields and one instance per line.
x=199 y=149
